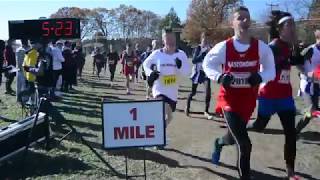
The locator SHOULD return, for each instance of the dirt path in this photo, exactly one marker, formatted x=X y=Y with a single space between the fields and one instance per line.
x=191 y=138
x=188 y=155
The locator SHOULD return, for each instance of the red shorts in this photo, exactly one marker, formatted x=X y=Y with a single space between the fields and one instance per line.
x=243 y=110
x=218 y=109
x=241 y=103
x=128 y=70
x=316 y=72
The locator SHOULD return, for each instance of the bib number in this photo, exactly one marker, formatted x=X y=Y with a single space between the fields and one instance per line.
x=169 y=80
x=240 y=80
x=284 y=77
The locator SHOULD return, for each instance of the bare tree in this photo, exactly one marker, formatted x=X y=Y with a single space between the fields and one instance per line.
x=121 y=22
x=86 y=24
x=298 y=7
x=210 y=16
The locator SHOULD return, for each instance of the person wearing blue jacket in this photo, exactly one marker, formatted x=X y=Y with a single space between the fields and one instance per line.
x=198 y=76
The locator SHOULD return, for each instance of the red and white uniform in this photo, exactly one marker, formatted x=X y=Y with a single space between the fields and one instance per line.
x=280 y=87
x=240 y=60
x=128 y=62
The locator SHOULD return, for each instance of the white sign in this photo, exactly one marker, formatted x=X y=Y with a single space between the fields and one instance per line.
x=133 y=124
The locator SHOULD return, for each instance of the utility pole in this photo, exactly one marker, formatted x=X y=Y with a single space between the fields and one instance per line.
x=271 y=5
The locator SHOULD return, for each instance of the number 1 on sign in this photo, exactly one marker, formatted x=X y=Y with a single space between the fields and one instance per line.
x=133 y=111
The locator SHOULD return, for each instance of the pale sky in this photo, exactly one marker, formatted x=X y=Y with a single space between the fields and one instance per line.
x=21 y=9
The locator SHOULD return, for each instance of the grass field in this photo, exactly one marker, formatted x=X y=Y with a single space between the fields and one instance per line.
x=70 y=159
x=187 y=158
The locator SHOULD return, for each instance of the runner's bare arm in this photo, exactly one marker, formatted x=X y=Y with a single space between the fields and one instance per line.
x=213 y=61
x=267 y=66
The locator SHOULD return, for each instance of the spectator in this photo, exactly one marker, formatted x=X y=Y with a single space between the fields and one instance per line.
x=10 y=59
x=20 y=55
x=57 y=60
x=67 y=67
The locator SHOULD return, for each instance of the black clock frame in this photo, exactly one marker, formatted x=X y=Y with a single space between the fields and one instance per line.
x=45 y=29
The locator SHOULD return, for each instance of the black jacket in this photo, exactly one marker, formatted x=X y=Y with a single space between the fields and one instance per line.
x=46 y=79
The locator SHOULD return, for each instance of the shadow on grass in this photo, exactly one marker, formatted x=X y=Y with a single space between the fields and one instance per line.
x=83 y=98
x=76 y=106
x=184 y=91
x=39 y=164
x=94 y=127
x=140 y=154
x=116 y=93
x=310 y=136
x=81 y=104
x=269 y=131
x=95 y=84
x=92 y=98
x=112 y=98
x=182 y=98
x=256 y=174
x=193 y=99
x=306 y=176
x=79 y=111
x=312 y=143
x=218 y=120
x=57 y=145
x=105 y=85
x=7 y=119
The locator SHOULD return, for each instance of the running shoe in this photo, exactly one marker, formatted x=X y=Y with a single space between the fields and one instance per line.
x=216 y=152
x=295 y=177
x=208 y=116
x=316 y=114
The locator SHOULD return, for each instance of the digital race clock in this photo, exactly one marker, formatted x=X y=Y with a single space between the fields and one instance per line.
x=65 y=28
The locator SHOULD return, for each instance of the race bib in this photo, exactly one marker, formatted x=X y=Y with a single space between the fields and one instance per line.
x=284 y=77
x=111 y=62
x=130 y=63
x=169 y=80
x=240 y=80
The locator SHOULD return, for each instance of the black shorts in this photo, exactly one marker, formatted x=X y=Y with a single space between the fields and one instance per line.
x=171 y=103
